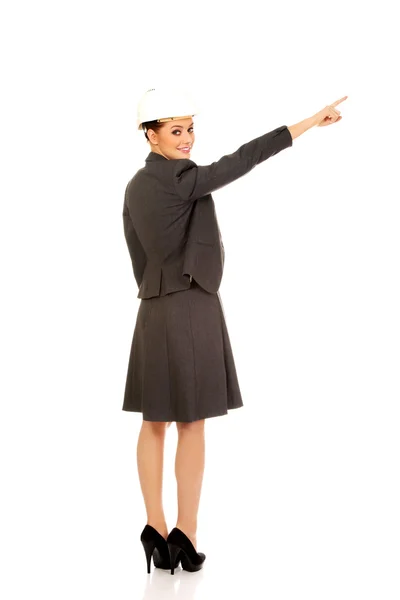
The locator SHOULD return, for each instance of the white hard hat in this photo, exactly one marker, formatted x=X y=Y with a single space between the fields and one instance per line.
x=159 y=104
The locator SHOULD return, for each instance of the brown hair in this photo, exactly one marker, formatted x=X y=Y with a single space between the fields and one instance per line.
x=155 y=125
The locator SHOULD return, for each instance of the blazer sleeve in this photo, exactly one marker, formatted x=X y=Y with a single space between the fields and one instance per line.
x=136 y=250
x=192 y=181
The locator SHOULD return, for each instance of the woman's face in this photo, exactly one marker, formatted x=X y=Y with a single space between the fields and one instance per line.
x=174 y=140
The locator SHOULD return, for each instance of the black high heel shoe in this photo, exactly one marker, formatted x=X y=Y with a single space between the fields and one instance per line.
x=155 y=545
x=181 y=548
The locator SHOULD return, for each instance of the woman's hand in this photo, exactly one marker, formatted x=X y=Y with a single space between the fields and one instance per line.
x=326 y=116
x=329 y=114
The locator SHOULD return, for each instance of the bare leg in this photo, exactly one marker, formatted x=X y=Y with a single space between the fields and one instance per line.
x=189 y=469
x=150 y=459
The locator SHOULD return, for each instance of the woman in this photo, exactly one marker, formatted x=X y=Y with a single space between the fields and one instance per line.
x=181 y=366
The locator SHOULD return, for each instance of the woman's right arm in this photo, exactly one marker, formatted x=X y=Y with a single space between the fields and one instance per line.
x=299 y=128
x=192 y=181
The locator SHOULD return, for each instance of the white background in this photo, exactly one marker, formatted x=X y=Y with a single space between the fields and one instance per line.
x=301 y=488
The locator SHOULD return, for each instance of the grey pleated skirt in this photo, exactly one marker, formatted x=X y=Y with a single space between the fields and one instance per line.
x=181 y=365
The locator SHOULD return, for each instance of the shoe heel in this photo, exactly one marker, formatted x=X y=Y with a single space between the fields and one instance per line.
x=173 y=555
x=149 y=549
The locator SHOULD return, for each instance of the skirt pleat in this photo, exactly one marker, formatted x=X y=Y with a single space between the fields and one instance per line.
x=181 y=365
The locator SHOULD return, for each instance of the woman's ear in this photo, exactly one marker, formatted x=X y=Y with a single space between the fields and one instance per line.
x=152 y=137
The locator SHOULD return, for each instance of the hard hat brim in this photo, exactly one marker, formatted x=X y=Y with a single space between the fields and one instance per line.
x=164 y=120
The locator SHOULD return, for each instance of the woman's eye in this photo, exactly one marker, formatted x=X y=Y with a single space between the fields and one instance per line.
x=178 y=130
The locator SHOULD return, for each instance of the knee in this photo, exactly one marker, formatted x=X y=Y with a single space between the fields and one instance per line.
x=195 y=427
x=157 y=428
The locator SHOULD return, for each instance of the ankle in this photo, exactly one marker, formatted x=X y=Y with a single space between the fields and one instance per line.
x=159 y=526
x=190 y=531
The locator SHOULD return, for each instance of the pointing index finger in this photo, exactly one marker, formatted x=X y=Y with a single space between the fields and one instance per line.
x=339 y=101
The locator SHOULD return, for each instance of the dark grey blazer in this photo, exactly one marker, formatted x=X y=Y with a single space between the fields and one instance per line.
x=169 y=217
